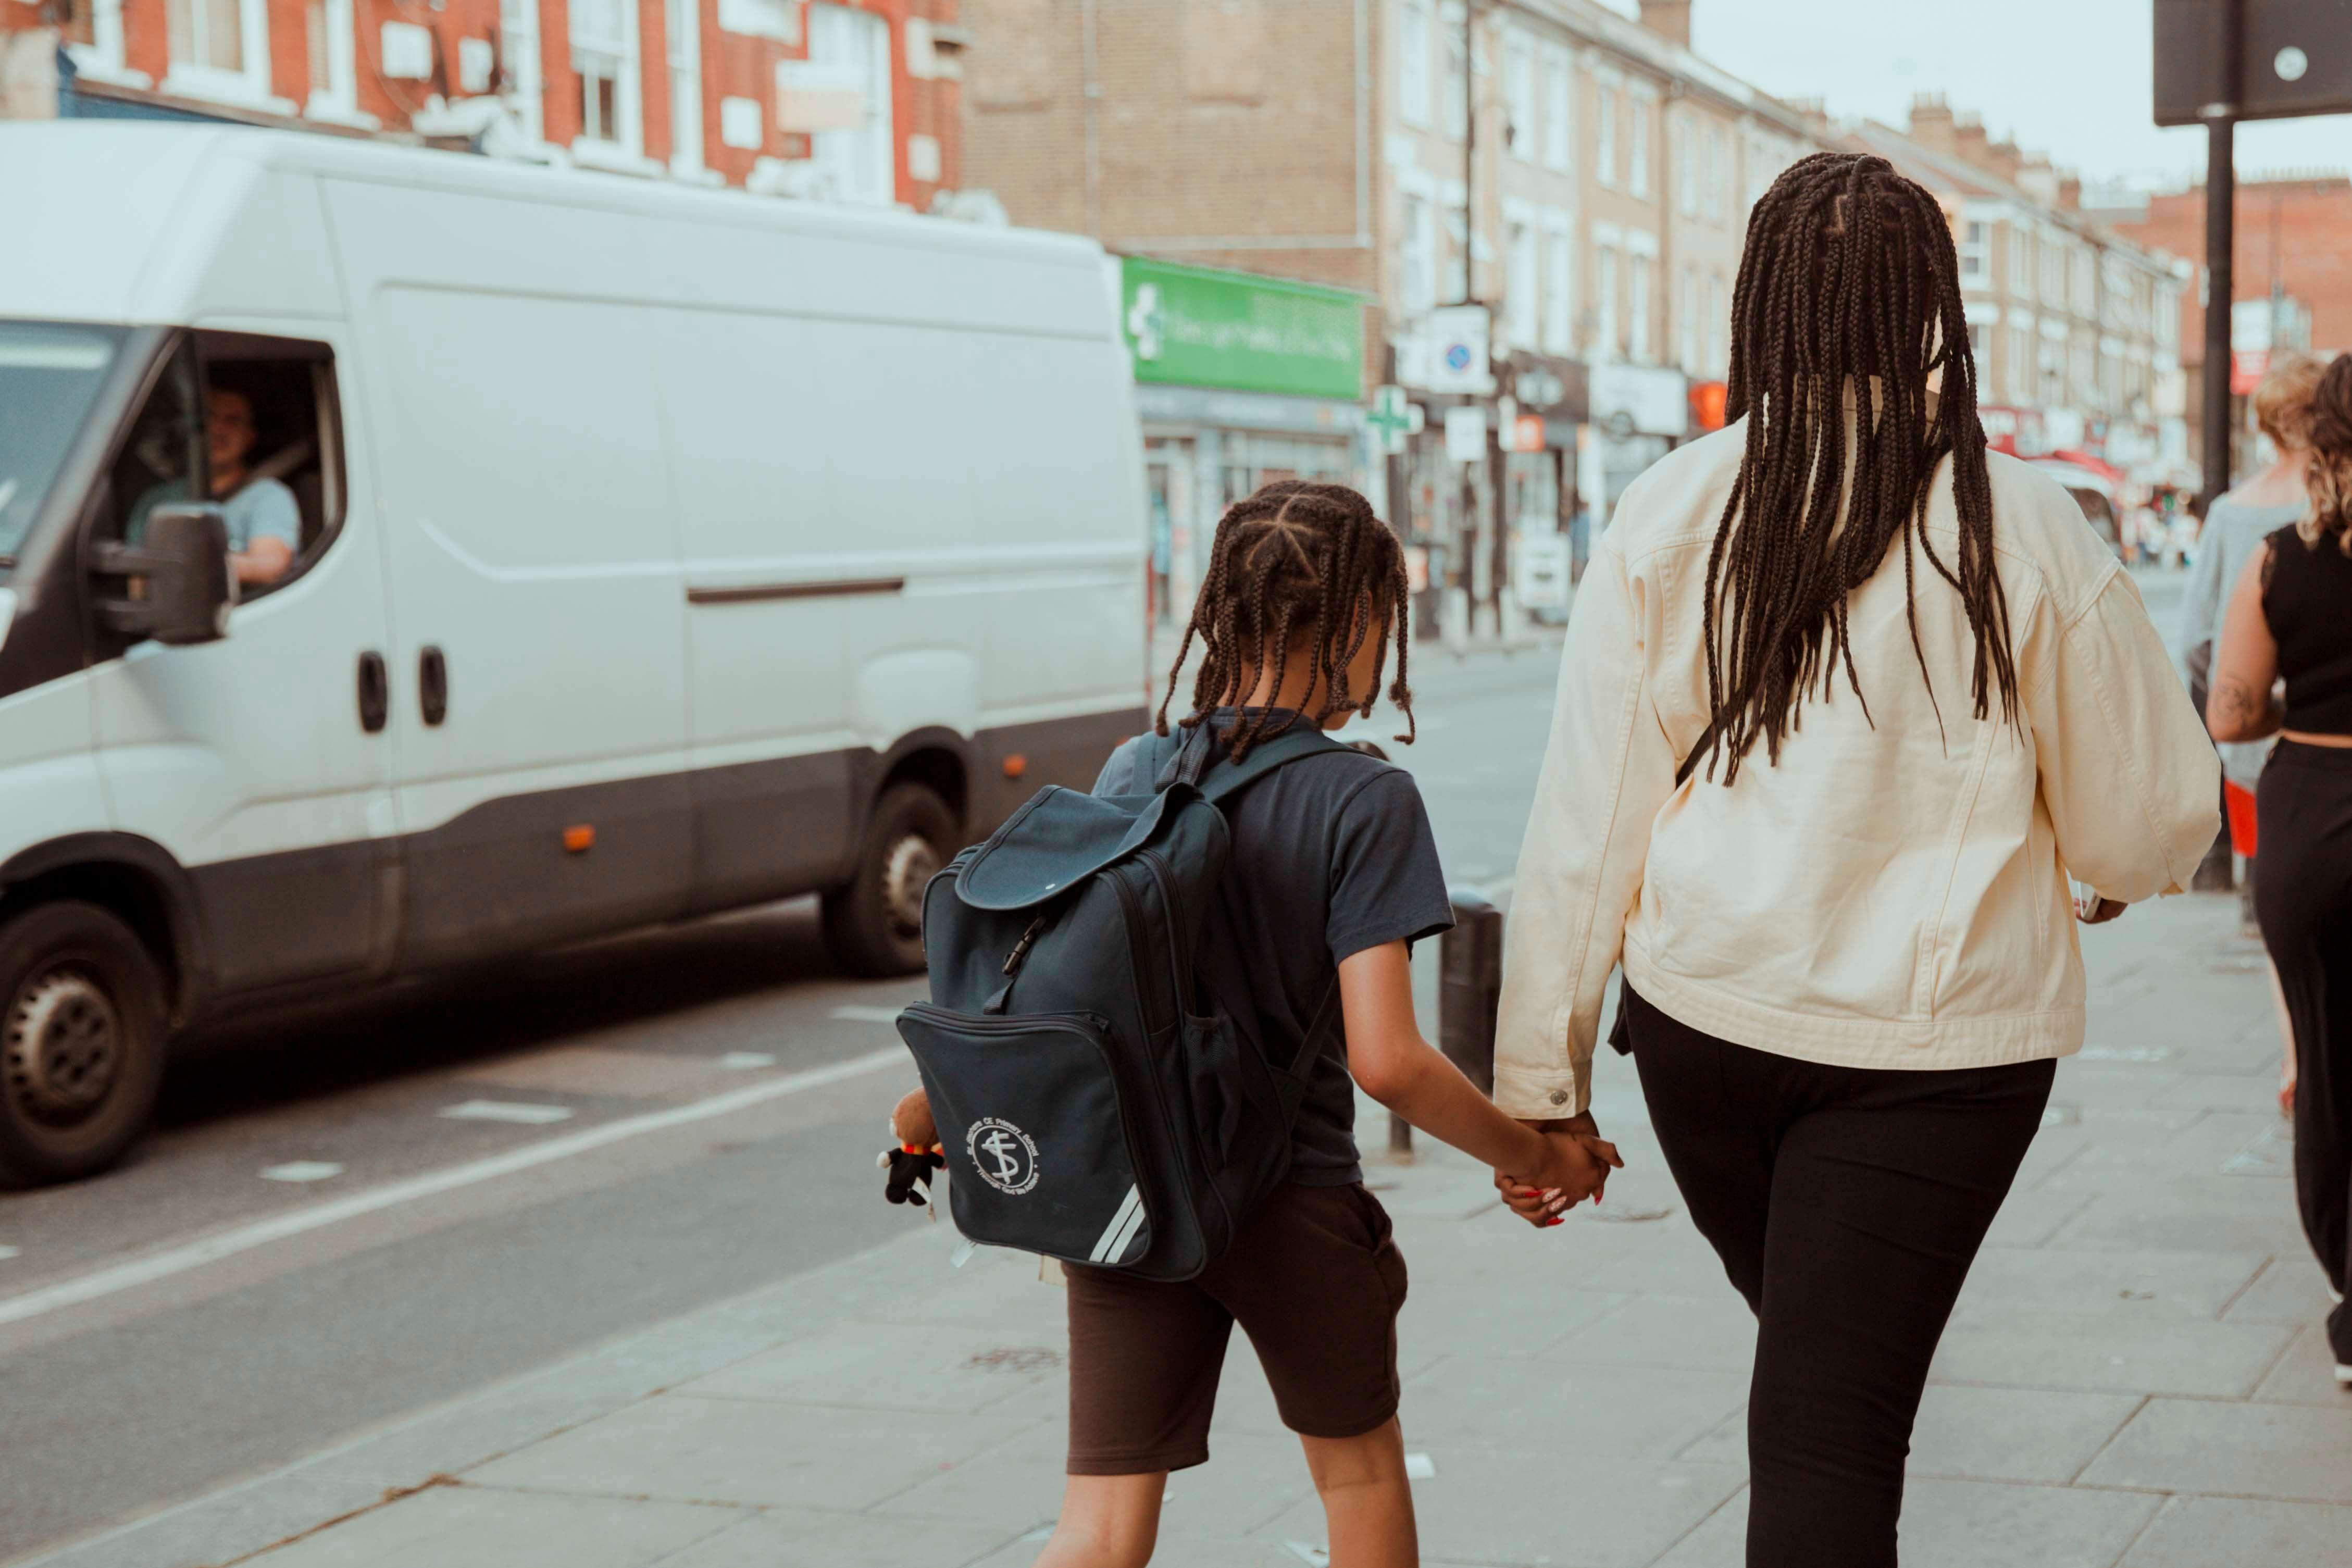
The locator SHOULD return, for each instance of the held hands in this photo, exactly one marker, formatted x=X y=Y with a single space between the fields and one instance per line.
x=1573 y=1164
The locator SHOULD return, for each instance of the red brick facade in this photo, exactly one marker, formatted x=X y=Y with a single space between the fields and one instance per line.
x=2298 y=230
x=925 y=49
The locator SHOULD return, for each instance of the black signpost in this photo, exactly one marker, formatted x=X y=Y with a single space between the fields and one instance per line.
x=2218 y=62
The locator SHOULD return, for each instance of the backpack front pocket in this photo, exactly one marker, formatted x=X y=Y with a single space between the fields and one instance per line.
x=1036 y=1130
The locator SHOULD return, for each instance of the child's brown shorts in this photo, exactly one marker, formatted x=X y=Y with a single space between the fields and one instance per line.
x=1314 y=1280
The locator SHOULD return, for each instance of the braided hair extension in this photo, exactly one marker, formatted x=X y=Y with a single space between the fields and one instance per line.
x=1296 y=564
x=1848 y=293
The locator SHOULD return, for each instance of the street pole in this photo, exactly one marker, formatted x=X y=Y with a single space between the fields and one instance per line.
x=2221 y=237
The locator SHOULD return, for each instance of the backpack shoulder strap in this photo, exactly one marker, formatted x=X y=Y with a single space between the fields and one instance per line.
x=1297 y=744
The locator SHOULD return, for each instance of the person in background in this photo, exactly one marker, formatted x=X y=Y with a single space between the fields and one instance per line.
x=2287 y=619
x=2233 y=531
x=265 y=522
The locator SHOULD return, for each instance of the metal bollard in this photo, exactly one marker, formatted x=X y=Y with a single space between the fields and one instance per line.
x=1469 y=992
x=1470 y=986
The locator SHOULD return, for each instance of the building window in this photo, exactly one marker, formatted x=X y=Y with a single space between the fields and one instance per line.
x=219 y=50
x=2085 y=272
x=1606 y=345
x=1980 y=346
x=682 y=22
x=2018 y=379
x=1717 y=169
x=2054 y=272
x=1718 y=328
x=330 y=31
x=1417 y=261
x=1559 y=313
x=1637 y=309
x=1558 y=108
x=2020 y=262
x=2053 y=372
x=604 y=56
x=1412 y=63
x=1686 y=144
x=1521 y=299
x=1519 y=94
x=1637 y=163
x=1688 y=312
x=854 y=157
x=1457 y=95
x=1976 y=254
x=1604 y=136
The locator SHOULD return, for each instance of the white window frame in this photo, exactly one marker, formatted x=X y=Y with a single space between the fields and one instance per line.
x=1608 y=344
x=337 y=100
x=1638 y=306
x=1415 y=48
x=2020 y=261
x=1453 y=92
x=871 y=77
x=1522 y=279
x=1684 y=135
x=1519 y=94
x=518 y=67
x=1637 y=147
x=2053 y=271
x=1718 y=162
x=249 y=85
x=2083 y=283
x=625 y=51
x=1559 y=109
x=1687 y=336
x=1975 y=249
x=1719 y=327
x=102 y=59
x=2017 y=379
x=682 y=44
x=1604 y=135
x=1417 y=266
x=1560 y=283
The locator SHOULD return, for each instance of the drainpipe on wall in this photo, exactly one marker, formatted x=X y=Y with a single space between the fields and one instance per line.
x=1093 y=93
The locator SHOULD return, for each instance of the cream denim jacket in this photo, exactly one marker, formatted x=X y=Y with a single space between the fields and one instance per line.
x=1894 y=893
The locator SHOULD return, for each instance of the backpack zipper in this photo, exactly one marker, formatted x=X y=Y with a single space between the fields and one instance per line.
x=1157 y=868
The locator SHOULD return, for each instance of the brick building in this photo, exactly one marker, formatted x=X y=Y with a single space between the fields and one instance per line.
x=1586 y=177
x=2074 y=327
x=2294 y=236
x=854 y=103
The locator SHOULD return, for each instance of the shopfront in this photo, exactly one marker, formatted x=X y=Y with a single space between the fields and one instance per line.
x=1240 y=381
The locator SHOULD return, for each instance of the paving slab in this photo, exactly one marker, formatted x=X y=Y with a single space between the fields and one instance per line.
x=790 y=1537
x=1018 y=1485
x=1980 y=1434
x=2290 y=1290
x=225 y=1526
x=690 y=1450
x=1969 y=1524
x=477 y=1527
x=1708 y=1332
x=2286 y=1452
x=918 y=1369
x=2221 y=1361
x=1495 y=1507
x=2009 y=1282
x=1554 y=1408
x=2239 y=1532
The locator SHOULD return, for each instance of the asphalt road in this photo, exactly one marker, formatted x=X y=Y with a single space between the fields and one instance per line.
x=312 y=1245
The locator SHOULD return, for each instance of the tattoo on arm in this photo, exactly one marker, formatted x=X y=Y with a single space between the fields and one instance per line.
x=2240 y=707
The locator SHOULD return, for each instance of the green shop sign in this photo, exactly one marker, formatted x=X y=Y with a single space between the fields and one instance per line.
x=1203 y=328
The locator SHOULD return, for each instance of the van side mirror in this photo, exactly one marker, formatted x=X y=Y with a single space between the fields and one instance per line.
x=181 y=590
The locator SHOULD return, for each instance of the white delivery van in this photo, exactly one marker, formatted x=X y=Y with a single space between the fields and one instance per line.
x=660 y=551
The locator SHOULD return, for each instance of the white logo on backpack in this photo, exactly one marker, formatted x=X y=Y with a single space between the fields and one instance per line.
x=1006 y=1157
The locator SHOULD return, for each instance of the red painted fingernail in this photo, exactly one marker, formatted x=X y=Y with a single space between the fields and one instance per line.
x=1553 y=1221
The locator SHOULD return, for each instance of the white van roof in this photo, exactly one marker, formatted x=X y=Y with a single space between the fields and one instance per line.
x=123 y=222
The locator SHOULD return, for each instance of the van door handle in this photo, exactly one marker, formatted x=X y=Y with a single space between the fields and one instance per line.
x=375 y=692
x=433 y=685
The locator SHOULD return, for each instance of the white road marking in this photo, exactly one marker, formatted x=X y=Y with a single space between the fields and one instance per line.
x=1420 y=1468
x=6 y=1253
x=211 y=1249
x=743 y=1061
x=301 y=1171
x=859 y=1013
x=509 y=1110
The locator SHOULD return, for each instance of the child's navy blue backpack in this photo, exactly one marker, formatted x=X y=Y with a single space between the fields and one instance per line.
x=1095 y=1105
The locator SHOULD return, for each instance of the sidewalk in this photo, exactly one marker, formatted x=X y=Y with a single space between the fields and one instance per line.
x=2135 y=1376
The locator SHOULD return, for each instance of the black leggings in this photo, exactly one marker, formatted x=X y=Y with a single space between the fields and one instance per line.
x=2303 y=898
x=1846 y=1205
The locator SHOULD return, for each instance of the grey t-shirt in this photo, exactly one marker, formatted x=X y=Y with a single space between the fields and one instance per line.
x=264 y=508
x=2233 y=532
x=1331 y=856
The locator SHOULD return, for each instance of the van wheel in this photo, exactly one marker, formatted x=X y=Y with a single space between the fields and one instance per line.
x=82 y=1042
x=874 y=922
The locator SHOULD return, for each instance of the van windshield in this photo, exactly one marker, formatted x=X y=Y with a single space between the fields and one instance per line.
x=49 y=375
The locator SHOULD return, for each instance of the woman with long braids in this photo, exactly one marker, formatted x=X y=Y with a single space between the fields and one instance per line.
x=2285 y=621
x=1845 y=701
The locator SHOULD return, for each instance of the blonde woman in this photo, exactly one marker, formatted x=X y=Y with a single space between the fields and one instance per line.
x=2290 y=616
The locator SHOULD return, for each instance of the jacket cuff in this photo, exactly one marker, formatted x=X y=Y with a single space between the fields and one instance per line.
x=1533 y=1094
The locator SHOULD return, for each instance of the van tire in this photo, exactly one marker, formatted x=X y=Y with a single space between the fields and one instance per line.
x=82 y=1029
x=872 y=922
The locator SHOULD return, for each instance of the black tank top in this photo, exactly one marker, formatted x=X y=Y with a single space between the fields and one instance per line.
x=2307 y=600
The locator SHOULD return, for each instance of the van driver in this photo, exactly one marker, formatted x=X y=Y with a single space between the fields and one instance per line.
x=265 y=523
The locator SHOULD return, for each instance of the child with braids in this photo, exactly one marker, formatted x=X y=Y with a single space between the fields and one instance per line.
x=1333 y=869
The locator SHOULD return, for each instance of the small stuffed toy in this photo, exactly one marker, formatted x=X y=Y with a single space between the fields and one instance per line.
x=919 y=1153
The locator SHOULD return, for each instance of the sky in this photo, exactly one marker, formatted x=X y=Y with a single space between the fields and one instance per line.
x=2069 y=77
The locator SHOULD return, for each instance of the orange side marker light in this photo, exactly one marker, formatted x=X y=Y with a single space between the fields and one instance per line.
x=1015 y=766
x=579 y=838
